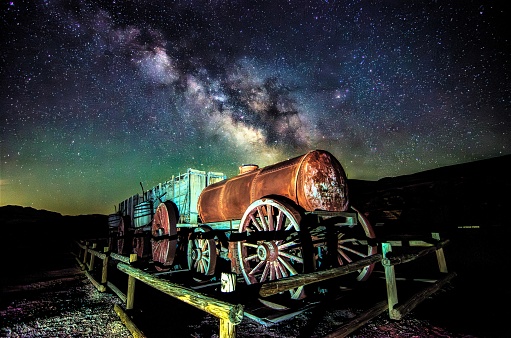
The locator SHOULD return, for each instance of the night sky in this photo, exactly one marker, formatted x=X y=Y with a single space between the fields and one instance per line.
x=97 y=96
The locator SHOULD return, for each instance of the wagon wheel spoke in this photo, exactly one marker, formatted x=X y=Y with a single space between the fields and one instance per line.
x=163 y=226
x=343 y=248
x=258 y=268
x=270 y=259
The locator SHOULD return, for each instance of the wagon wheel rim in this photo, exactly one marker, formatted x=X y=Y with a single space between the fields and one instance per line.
x=349 y=248
x=268 y=260
x=372 y=248
x=164 y=224
x=202 y=254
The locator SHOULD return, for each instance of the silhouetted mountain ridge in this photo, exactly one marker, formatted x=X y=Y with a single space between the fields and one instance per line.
x=473 y=194
x=496 y=166
x=30 y=223
x=15 y=213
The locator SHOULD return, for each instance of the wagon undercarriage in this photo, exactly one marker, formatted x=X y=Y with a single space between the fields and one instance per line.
x=273 y=240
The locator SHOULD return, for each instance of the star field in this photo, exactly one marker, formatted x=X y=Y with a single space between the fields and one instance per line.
x=98 y=96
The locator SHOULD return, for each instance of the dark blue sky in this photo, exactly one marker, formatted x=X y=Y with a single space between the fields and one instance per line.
x=98 y=96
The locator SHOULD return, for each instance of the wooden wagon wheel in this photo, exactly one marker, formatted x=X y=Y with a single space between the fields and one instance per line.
x=139 y=242
x=123 y=241
x=349 y=247
x=164 y=231
x=267 y=259
x=202 y=254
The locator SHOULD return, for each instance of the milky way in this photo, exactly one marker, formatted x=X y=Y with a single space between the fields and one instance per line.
x=98 y=96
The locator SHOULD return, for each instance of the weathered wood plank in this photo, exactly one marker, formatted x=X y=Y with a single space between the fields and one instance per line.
x=390 y=278
x=391 y=259
x=91 y=264
x=120 y=258
x=442 y=265
x=130 y=294
x=80 y=263
x=97 y=254
x=413 y=301
x=100 y=287
x=284 y=284
x=215 y=307
x=126 y=320
x=116 y=290
x=85 y=253
x=104 y=270
x=359 y=321
x=227 y=329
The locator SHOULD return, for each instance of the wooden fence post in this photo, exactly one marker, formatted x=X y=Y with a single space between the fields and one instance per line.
x=442 y=265
x=390 y=278
x=79 y=257
x=91 y=264
x=130 y=294
x=86 y=250
x=227 y=329
x=104 y=272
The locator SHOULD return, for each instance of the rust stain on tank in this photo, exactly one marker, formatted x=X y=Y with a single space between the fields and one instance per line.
x=314 y=181
x=324 y=183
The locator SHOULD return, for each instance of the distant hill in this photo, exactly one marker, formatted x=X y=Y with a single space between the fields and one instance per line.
x=15 y=213
x=27 y=222
x=474 y=194
x=497 y=166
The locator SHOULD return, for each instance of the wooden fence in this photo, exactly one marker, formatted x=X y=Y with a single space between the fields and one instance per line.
x=231 y=315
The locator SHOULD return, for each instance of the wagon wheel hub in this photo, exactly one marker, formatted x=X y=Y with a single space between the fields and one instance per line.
x=196 y=254
x=267 y=251
x=160 y=231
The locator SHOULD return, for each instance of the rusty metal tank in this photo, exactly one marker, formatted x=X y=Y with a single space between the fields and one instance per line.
x=313 y=181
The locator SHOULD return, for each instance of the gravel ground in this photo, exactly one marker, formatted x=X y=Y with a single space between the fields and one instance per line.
x=66 y=305
x=63 y=303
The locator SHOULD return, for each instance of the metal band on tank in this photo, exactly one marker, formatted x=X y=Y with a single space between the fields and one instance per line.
x=252 y=185
x=221 y=198
x=297 y=174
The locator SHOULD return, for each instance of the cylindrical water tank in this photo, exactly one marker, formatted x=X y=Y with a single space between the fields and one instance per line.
x=314 y=181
